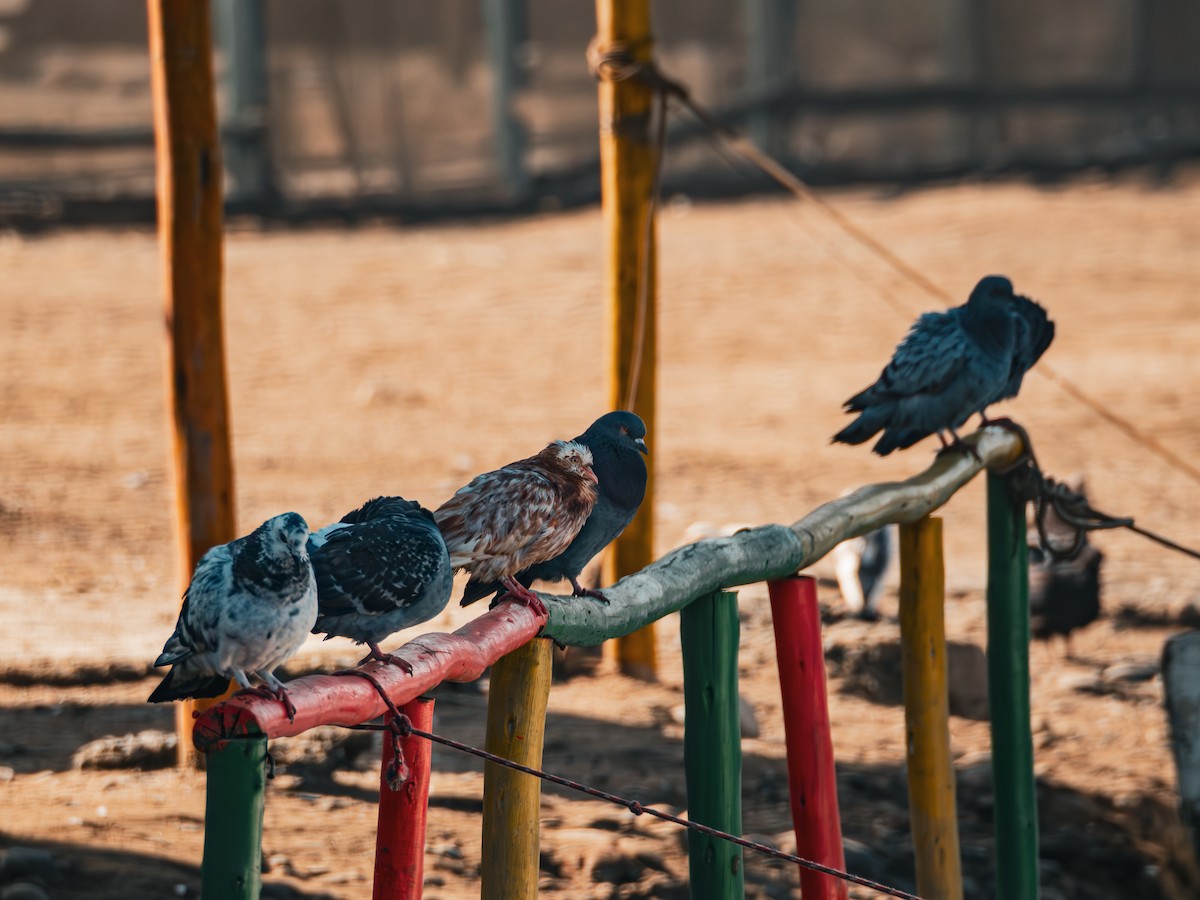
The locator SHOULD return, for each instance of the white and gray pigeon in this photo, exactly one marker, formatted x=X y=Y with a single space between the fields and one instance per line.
x=861 y=564
x=618 y=443
x=949 y=366
x=249 y=606
x=381 y=568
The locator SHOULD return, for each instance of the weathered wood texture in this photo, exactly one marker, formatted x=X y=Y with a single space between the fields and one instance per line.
x=233 y=821
x=931 y=808
x=627 y=170
x=188 y=162
x=516 y=727
x=1181 y=680
x=758 y=554
x=400 y=835
x=771 y=551
x=712 y=743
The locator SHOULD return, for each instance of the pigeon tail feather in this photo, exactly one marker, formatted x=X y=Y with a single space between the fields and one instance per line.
x=201 y=685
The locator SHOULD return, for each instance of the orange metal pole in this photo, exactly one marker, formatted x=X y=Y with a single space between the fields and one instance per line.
x=188 y=154
x=400 y=837
x=627 y=171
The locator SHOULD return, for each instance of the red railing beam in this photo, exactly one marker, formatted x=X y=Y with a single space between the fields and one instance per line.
x=346 y=700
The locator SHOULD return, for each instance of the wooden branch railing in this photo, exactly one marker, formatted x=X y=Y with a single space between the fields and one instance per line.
x=767 y=553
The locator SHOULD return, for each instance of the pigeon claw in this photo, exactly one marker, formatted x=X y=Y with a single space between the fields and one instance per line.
x=390 y=658
x=578 y=590
x=523 y=595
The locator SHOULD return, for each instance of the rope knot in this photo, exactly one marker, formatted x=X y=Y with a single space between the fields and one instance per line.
x=635 y=807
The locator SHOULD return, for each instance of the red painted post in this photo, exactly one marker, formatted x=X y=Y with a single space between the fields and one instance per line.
x=400 y=838
x=812 y=784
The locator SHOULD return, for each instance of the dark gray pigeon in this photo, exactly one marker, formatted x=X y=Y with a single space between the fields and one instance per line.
x=950 y=365
x=382 y=568
x=249 y=607
x=617 y=441
x=1064 y=594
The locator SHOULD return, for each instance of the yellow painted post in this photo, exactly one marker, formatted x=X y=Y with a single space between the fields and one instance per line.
x=516 y=725
x=926 y=711
x=188 y=155
x=627 y=174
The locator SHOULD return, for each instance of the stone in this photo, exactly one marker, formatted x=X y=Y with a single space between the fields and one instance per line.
x=966 y=672
x=747 y=717
x=144 y=750
x=23 y=891
x=1131 y=671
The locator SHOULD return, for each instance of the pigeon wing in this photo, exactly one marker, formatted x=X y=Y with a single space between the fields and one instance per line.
x=1034 y=332
x=931 y=356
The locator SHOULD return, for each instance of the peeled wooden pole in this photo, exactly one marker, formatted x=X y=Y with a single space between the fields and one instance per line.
x=233 y=821
x=712 y=743
x=931 y=808
x=400 y=836
x=188 y=154
x=1008 y=694
x=812 y=781
x=516 y=725
x=627 y=171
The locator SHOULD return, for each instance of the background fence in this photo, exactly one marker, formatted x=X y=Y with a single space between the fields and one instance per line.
x=466 y=105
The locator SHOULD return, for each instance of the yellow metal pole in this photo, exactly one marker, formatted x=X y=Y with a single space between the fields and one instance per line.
x=516 y=725
x=627 y=174
x=926 y=710
x=188 y=154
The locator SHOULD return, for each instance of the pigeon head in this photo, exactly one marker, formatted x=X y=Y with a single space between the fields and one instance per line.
x=572 y=457
x=992 y=289
x=621 y=428
x=287 y=538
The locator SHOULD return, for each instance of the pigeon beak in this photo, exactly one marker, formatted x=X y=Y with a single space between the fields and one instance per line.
x=590 y=475
x=641 y=445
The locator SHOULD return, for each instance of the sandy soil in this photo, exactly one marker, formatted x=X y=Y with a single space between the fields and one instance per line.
x=405 y=361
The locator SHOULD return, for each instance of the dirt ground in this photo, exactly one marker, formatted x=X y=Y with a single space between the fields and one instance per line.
x=405 y=361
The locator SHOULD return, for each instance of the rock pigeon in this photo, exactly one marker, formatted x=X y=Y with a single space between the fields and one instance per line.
x=381 y=568
x=520 y=515
x=617 y=441
x=861 y=564
x=1064 y=593
x=950 y=365
x=249 y=606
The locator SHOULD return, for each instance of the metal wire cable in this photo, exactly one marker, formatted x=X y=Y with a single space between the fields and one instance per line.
x=402 y=727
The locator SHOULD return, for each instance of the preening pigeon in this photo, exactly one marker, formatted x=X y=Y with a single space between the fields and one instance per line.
x=950 y=365
x=381 y=568
x=520 y=515
x=617 y=441
x=861 y=564
x=249 y=607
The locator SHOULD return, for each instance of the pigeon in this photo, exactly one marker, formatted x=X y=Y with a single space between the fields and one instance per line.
x=951 y=365
x=381 y=568
x=520 y=515
x=617 y=441
x=1064 y=593
x=249 y=606
x=861 y=563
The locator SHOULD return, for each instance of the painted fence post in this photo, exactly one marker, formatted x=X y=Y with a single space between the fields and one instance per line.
x=812 y=781
x=712 y=743
x=516 y=725
x=1008 y=694
x=931 y=807
x=400 y=837
x=627 y=168
x=233 y=821
x=190 y=232
x=1181 y=684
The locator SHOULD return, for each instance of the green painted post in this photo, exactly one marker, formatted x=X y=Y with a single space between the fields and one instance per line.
x=712 y=743
x=233 y=822
x=1008 y=694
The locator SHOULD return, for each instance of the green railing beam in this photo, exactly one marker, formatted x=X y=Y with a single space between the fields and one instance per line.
x=233 y=821
x=1008 y=694
x=712 y=743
